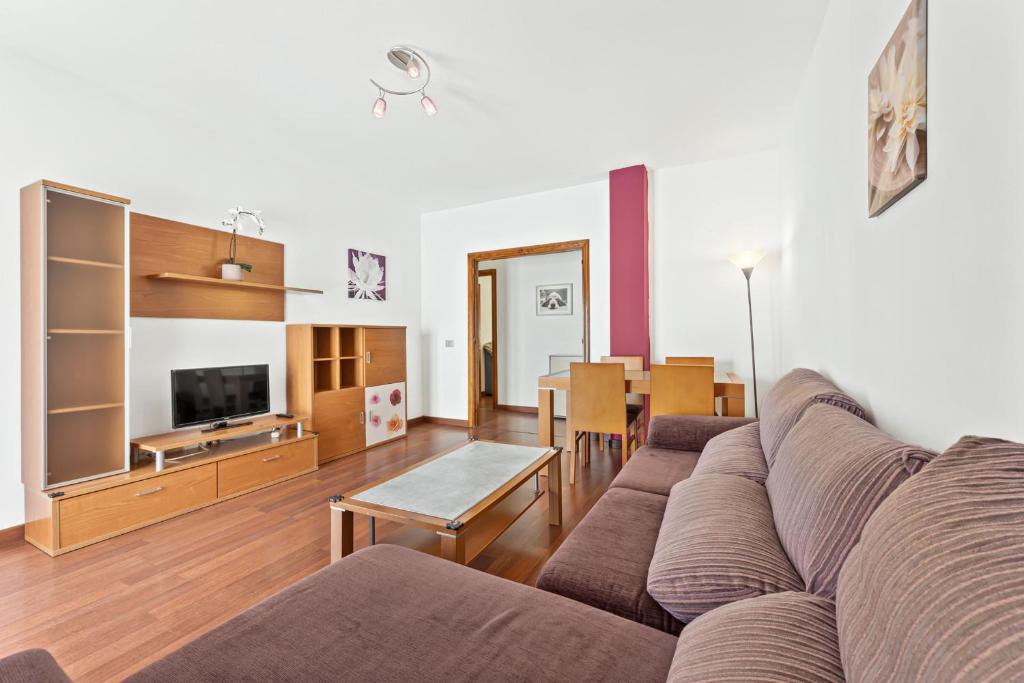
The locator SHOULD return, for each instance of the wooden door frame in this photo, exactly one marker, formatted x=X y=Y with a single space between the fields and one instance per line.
x=493 y=274
x=473 y=273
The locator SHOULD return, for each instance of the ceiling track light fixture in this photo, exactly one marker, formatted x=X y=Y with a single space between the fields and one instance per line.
x=414 y=65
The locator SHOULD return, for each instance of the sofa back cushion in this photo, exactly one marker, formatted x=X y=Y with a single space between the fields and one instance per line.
x=935 y=589
x=786 y=402
x=717 y=545
x=785 y=637
x=830 y=474
x=738 y=452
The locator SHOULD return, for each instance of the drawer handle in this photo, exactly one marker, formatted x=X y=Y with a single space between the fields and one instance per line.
x=150 y=492
x=271 y=458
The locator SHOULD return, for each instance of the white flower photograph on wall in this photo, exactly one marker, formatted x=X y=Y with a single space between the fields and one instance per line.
x=898 y=113
x=366 y=278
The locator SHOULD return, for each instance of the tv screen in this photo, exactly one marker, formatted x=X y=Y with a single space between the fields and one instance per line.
x=203 y=395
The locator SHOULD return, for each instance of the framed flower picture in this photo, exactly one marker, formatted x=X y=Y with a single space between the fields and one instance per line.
x=366 y=276
x=898 y=113
x=554 y=299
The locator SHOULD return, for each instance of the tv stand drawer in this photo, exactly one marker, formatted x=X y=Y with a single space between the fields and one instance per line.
x=247 y=472
x=94 y=516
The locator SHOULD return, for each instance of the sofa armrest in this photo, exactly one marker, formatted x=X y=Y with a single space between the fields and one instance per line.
x=690 y=432
x=31 y=666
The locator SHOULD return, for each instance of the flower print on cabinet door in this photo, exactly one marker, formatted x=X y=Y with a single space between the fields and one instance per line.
x=385 y=411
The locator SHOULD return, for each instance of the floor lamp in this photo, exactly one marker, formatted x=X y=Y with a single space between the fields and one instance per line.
x=746 y=261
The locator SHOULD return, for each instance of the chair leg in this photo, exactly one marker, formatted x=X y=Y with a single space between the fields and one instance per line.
x=600 y=442
x=572 y=459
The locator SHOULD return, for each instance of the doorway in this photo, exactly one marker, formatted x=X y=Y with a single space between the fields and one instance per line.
x=488 y=301
x=478 y=265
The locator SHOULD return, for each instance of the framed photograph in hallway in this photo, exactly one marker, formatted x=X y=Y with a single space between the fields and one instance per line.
x=554 y=299
x=898 y=113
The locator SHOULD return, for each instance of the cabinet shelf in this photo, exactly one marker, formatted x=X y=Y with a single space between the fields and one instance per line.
x=217 y=282
x=82 y=409
x=85 y=262
x=64 y=330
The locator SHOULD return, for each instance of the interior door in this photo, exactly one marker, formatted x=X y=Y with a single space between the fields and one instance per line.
x=384 y=355
x=338 y=417
x=385 y=412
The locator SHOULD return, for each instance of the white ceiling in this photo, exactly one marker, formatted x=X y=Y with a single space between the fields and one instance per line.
x=533 y=94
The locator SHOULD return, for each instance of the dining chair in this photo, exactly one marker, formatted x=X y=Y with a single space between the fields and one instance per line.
x=597 y=398
x=682 y=390
x=690 y=360
x=634 y=402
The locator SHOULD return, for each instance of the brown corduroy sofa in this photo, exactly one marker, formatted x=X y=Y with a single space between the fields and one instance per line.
x=807 y=547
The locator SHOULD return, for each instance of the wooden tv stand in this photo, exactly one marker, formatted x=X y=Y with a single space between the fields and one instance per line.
x=159 y=444
x=236 y=461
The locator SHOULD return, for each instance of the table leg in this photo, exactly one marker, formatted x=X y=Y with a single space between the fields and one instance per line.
x=373 y=530
x=341 y=533
x=545 y=417
x=555 y=491
x=453 y=547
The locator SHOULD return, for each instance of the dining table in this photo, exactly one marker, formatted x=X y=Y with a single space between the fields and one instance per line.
x=730 y=399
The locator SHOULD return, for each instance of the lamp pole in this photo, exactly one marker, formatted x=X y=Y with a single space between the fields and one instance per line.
x=747 y=272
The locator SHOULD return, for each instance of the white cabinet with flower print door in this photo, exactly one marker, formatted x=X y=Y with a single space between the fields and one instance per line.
x=385 y=413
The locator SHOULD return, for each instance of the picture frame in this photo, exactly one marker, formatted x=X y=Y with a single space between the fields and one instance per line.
x=367 y=276
x=554 y=299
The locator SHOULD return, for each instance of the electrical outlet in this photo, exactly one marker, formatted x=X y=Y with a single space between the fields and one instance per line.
x=449 y=343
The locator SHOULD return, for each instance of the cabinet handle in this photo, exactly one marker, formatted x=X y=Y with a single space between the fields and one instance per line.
x=271 y=458
x=362 y=417
x=369 y=357
x=150 y=492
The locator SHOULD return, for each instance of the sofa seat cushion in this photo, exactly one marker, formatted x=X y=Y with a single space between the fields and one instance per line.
x=736 y=452
x=655 y=470
x=831 y=473
x=604 y=561
x=387 y=613
x=31 y=666
x=717 y=545
x=786 y=402
x=784 y=638
x=935 y=589
x=689 y=432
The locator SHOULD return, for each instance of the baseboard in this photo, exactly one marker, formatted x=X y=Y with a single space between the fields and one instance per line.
x=445 y=421
x=14 y=533
x=518 y=409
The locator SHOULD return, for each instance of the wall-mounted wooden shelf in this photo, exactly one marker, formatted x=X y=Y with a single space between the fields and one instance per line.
x=181 y=277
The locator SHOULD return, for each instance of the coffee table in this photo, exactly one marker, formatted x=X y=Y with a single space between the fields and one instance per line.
x=469 y=496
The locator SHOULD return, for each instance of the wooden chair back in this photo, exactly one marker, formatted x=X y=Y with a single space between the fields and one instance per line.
x=631 y=363
x=682 y=390
x=598 y=396
x=690 y=360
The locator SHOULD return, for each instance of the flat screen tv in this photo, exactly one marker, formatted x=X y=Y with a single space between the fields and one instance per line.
x=204 y=395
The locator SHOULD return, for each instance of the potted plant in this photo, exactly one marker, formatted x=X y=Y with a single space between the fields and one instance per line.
x=232 y=268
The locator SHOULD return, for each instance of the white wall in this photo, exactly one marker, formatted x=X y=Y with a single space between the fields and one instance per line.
x=579 y=212
x=700 y=214
x=53 y=126
x=918 y=313
x=525 y=339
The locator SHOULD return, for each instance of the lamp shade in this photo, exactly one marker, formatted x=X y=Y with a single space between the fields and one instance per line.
x=747 y=259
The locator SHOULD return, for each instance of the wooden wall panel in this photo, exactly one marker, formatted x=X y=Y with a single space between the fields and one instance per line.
x=159 y=245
